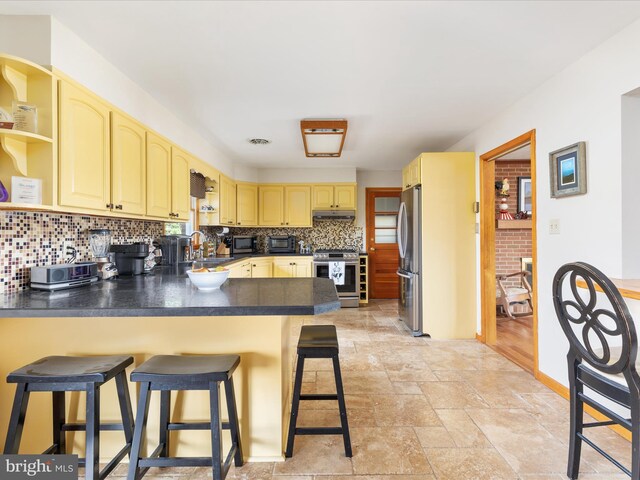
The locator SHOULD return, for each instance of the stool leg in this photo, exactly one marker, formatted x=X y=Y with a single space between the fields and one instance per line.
x=125 y=408
x=165 y=409
x=233 y=420
x=216 y=430
x=92 y=462
x=343 y=408
x=138 y=433
x=297 y=388
x=59 y=419
x=16 y=422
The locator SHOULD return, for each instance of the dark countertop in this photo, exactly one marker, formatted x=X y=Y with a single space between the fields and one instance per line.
x=163 y=293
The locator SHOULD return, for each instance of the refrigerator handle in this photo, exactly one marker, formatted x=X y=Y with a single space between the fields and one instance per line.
x=401 y=229
x=403 y=275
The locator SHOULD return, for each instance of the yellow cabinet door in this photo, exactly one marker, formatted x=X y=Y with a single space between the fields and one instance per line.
x=271 y=205
x=297 y=206
x=239 y=270
x=247 y=204
x=282 y=267
x=322 y=197
x=85 y=161
x=261 y=268
x=158 y=176
x=415 y=171
x=227 y=201
x=180 y=185
x=345 y=197
x=302 y=267
x=128 y=163
x=406 y=177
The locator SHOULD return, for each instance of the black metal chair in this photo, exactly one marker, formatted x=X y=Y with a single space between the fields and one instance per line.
x=60 y=374
x=603 y=348
x=176 y=372
x=318 y=341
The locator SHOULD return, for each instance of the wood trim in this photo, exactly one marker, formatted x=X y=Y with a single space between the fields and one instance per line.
x=487 y=239
x=563 y=391
x=480 y=338
x=628 y=288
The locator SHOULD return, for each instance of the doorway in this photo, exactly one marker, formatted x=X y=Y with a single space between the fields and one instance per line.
x=382 y=215
x=507 y=247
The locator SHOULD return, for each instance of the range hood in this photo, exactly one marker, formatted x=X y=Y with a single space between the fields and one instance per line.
x=339 y=215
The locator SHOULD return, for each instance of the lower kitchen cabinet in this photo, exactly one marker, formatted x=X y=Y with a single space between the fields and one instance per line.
x=240 y=269
x=262 y=268
x=292 y=267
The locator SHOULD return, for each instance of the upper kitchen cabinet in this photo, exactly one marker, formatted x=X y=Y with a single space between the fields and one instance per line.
x=84 y=163
x=227 y=201
x=128 y=165
x=284 y=205
x=247 y=204
x=158 y=176
x=29 y=150
x=334 y=197
x=180 y=184
x=411 y=174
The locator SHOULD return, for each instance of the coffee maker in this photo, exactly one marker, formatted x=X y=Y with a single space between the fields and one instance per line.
x=99 y=242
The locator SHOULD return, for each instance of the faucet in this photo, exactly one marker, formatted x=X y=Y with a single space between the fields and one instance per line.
x=204 y=239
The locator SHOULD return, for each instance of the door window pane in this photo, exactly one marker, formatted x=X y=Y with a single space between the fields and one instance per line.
x=386 y=221
x=385 y=235
x=387 y=204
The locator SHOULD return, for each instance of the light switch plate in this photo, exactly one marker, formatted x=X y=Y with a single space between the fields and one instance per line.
x=554 y=226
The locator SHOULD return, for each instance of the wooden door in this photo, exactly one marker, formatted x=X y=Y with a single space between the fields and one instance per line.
x=302 y=267
x=382 y=213
x=322 y=197
x=345 y=197
x=227 y=201
x=180 y=184
x=282 y=267
x=85 y=160
x=128 y=165
x=271 y=205
x=247 y=203
x=297 y=206
x=158 y=176
x=261 y=268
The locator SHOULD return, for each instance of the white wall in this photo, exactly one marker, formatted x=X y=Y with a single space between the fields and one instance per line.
x=583 y=102
x=630 y=188
x=26 y=36
x=371 y=179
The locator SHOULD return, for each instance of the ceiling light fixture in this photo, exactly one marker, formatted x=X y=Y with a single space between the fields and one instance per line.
x=323 y=138
x=259 y=141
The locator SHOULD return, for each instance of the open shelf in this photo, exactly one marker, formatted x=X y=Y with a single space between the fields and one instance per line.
x=27 y=137
x=25 y=206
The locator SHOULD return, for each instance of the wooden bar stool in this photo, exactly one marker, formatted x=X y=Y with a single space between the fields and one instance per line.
x=318 y=341
x=174 y=372
x=73 y=374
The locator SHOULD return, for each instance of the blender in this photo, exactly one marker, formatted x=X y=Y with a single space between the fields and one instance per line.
x=100 y=241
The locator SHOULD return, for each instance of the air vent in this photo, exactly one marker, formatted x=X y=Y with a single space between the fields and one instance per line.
x=259 y=141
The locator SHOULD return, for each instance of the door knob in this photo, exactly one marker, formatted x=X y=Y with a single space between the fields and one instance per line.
x=372 y=249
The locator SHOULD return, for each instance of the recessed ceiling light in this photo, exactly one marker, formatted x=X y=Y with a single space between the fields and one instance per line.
x=259 y=141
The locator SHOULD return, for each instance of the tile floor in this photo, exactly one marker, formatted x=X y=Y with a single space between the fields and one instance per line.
x=420 y=409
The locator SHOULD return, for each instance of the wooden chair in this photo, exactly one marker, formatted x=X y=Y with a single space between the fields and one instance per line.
x=603 y=348
x=512 y=295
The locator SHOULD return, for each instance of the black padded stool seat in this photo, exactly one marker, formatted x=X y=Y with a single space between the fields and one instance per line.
x=60 y=374
x=318 y=341
x=178 y=372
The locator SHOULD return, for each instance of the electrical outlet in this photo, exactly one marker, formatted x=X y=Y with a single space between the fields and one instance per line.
x=68 y=250
x=554 y=226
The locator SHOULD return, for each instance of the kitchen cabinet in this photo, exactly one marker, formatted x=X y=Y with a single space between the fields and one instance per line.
x=411 y=174
x=284 y=205
x=247 y=204
x=227 y=201
x=84 y=163
x=334 y=197
x=180 y=185
x=241 y=269
x=158 y=176
x=128 y=165
x=262 y=267
x=292 y=267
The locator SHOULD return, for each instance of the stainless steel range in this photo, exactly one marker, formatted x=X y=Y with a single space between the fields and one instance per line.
x=342 y=267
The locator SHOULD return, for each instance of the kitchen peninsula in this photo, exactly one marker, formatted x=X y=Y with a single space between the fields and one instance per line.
x=163 y=313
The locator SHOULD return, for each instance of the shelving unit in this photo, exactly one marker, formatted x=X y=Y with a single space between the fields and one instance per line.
x=212 y=199
x=363 y=278
x=28 y=154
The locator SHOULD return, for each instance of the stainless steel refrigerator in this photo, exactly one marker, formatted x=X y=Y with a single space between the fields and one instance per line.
x=409 y=230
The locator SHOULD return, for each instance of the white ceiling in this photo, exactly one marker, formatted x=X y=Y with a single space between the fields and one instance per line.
x=409 y=76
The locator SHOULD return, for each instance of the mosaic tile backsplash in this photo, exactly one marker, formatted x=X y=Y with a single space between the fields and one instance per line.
x=324 y=234
x=29 y=239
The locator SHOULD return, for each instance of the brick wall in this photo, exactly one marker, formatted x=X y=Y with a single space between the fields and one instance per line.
x=512 y=244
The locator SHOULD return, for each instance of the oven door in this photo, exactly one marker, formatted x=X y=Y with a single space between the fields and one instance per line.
x=350 y=287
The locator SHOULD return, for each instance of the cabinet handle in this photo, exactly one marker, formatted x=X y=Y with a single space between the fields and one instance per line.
x=239 y=223
x=109 y=205
x=337 y=206
x=282 y=224
x=118 y=207
x=254 y=265
x=287 y=223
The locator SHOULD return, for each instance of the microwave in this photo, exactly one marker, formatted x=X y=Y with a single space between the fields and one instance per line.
x=281 y=244
x=244 y=244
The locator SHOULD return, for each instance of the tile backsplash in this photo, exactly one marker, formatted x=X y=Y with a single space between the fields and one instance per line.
x=29 y=239
x=324 y=234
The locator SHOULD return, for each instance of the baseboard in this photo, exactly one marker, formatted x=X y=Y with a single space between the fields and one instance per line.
x=480 y=338
x=563 y=391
